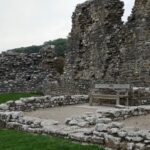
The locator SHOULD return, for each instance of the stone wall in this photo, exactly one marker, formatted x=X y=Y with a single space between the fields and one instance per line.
x=33 y=103
x=26 y=72
x=136 y=46
x=103 y=48
x=67 y=87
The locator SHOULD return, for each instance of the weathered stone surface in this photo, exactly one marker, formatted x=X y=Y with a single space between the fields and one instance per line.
x=102 y=127
x=122 y=133
x=98 y=140
x=113 y=130
x=117 y=125
x=113 y=142
x=130 y=146
x=103 y=120
x=140 y=146
x=104 y=49
x=4 y=106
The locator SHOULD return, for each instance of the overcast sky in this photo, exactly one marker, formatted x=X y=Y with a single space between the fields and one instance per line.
x=32 y=22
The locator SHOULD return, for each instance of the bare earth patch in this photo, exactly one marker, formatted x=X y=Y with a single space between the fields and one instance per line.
x=60 y=113
x=141 y=122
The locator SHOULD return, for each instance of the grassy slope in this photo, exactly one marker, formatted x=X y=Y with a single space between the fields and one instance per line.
x=15 y=140
x=15 y=96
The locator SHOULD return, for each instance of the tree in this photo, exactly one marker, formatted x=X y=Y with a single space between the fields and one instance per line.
x=60 y=46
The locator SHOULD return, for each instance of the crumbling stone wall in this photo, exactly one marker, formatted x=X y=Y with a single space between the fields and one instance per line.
x=26 y=72
x=103 y=48
x=94 y=39
x=136 y=46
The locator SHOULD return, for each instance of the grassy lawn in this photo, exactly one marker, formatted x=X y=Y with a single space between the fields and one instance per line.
x=15 y=96
x=16 y=140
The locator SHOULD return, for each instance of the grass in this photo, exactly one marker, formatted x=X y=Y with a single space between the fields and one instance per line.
x=16 y=140
x=15 y=96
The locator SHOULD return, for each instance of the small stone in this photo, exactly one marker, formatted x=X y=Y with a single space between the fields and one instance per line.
x=101 y=127
x=130 y=146
x=4 y=107
x=140 y=146
x=113 y=142
x=117 y=125
x=97 y=140
x=122 y=133
x=134 y=138
x=83 y=124
x=73 y=122
x=104 y=120
x=113 y=130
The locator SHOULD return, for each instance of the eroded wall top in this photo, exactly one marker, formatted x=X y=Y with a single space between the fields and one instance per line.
x=103 y=48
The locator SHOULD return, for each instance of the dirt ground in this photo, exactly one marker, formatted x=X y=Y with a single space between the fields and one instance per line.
x=61 y=113
x=141 y=122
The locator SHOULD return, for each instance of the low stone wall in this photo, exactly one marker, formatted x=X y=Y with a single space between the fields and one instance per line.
x=107 y=131
x=33 y=103
x=100 y=127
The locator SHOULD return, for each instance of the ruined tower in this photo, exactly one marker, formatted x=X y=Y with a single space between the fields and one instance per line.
x=103 y=48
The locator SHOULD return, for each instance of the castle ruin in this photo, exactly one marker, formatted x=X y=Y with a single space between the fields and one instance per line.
x=101 y=48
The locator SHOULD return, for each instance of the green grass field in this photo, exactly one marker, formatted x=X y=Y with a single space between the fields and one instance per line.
x=16 y=140
x=15 y=96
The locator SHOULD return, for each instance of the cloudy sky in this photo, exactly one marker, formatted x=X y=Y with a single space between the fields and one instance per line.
x=32 y=22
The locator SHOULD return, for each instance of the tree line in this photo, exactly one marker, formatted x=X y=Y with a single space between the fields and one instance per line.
x=60 y=47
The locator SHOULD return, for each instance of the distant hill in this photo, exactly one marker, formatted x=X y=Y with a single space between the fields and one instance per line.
x=60 y=47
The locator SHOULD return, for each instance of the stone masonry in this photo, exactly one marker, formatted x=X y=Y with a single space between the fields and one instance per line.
x=26 y=72
x=104 y=49
x=101 y=48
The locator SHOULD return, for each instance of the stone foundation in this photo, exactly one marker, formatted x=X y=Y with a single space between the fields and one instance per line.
x=100 y=127
x=33 y=103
